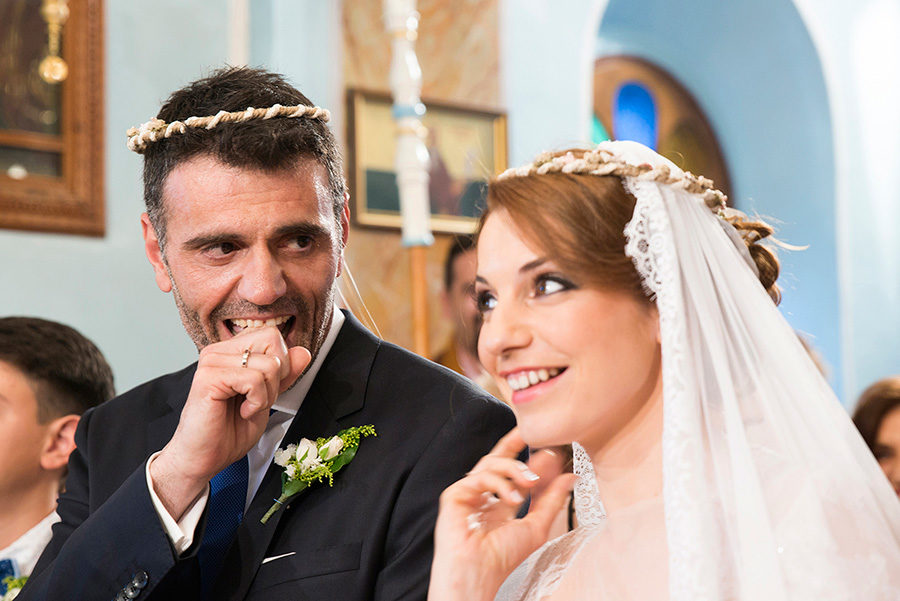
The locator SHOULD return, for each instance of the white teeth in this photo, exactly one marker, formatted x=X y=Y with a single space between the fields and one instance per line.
x=241 y=324
x=527 y=379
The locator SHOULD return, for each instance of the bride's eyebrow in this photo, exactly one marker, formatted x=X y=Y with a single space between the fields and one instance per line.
x=530 y=266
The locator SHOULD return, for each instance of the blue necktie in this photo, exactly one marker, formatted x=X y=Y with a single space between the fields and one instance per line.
x=228 y=494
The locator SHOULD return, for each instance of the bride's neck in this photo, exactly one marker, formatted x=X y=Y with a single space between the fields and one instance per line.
x=629 y=464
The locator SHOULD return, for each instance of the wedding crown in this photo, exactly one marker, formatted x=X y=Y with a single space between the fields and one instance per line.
x=156 y=129
x=603 y=162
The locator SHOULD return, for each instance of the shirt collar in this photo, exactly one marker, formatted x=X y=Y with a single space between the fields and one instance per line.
x=26 y=549
x=290 y=400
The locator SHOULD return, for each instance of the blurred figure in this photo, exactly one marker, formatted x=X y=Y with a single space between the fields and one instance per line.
x=458 y=300
x=49 y=375
x=877 y=417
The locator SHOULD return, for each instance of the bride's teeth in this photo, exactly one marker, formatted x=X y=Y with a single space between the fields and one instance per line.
x=528 y=379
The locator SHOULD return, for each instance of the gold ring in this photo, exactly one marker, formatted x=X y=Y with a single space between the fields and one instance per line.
x=245 y=357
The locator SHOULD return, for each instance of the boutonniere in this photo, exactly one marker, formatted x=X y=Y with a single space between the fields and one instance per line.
x=13 y=587
x=312 y=461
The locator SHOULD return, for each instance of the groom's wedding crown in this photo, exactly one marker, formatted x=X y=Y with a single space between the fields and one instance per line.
x=603 y=162
x=157 y=129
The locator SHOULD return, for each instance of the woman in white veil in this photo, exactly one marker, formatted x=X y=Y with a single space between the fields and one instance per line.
x=627 y=311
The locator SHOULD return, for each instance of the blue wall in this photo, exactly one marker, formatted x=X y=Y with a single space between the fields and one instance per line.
x=754 y=70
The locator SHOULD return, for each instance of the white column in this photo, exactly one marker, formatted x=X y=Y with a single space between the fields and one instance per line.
x=411 y=160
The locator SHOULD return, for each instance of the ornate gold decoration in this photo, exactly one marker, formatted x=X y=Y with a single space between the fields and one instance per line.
x=53 y=68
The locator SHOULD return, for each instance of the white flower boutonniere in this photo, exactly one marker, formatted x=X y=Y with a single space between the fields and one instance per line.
x=312 y=461
x=13 y=587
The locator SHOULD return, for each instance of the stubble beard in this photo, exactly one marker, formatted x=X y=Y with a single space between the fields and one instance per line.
x=310 y=338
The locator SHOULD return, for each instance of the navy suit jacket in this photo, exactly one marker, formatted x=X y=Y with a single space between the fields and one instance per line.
x=368 y=537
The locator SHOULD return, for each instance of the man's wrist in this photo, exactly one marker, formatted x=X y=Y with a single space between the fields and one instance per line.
x=175 y=489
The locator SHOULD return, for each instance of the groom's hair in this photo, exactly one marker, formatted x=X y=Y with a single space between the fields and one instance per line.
x=265 y=144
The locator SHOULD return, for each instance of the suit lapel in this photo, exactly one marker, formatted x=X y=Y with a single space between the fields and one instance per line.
x=161 y=428
x=337 y=391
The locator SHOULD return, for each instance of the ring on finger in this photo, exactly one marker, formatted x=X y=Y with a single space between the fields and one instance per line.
x=245 y=357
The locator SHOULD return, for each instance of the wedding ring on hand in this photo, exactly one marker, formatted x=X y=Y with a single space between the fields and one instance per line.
x=245 y=357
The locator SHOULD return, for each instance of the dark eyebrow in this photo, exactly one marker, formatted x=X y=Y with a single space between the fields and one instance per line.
x=530 y=266
x=313 y=230
x=202 y=241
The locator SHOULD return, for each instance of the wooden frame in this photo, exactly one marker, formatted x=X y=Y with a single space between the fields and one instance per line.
x=74 y=202
x=685 y=134
x=467 y=144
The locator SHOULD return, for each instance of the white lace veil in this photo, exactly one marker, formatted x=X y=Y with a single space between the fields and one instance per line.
x=769 y=492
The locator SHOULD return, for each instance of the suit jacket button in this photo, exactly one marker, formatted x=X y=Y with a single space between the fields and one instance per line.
x=131 y=591
x=140 y=579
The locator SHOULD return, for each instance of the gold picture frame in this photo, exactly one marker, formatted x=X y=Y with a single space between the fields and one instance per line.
x=467 y=146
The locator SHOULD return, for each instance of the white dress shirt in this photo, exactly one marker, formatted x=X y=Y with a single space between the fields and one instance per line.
x=181 y=532
x=26 y=549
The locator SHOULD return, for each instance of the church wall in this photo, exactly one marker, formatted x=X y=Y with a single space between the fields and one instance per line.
x=844 y=290
x=104 y=287
x=755 y=72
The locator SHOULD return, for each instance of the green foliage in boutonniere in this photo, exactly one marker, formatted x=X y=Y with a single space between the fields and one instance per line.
x=307 y=462
x=13 y=587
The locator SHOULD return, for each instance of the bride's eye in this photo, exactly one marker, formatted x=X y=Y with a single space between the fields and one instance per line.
x=485 y=300
x=548 y=284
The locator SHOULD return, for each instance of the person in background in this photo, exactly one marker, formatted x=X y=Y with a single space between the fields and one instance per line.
x=458 y=300
x=877 y=417
x=49 y=375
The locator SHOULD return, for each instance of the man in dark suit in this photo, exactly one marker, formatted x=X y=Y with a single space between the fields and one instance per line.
x=246 y=222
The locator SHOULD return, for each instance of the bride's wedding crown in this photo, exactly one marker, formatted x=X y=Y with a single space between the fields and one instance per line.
x=157 y=129
x=603 y=162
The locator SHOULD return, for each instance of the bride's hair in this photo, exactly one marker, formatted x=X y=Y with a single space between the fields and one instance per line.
x=579 y=220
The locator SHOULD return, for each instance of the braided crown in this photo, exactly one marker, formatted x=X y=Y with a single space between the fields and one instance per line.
x=157 y=129
x=603 y=162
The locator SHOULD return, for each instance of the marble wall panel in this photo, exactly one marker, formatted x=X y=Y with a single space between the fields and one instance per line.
x=458 y=49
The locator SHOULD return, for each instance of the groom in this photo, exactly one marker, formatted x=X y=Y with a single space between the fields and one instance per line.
x=246 y=222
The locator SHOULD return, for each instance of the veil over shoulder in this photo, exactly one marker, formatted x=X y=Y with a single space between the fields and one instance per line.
x=768 y=490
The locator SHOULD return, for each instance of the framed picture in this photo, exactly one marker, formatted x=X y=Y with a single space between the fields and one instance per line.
x=466 y=147
x=51 y=125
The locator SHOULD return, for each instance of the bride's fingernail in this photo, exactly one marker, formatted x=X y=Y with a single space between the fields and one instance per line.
x=517 y=496
x=529 y=475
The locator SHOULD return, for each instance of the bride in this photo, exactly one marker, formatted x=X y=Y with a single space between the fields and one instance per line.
x=629 y=312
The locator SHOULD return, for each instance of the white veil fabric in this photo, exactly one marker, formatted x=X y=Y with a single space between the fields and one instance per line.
x=769 y=492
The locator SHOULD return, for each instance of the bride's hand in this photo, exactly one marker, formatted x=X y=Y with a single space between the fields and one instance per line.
x=478 y=540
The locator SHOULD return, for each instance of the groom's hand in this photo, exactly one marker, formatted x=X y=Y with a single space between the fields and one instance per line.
x=226 y=412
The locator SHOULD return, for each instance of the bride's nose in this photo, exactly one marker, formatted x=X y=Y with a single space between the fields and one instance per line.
x=504 y=330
